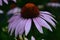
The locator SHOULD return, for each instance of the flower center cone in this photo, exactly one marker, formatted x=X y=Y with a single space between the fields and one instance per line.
x=30 y=10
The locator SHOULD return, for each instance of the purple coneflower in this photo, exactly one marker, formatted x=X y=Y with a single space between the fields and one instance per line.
x=5 y=1
x=21 y=20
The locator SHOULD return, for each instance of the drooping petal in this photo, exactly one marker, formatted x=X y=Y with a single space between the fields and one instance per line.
x=20 y=27
x=1 y=12
x=14 y=0
x=39 y=27
x=14 y=25
x=0 y=2
x=43 y=23
x=32 y=38
x=49 y=20
x=10 y=12
x=6 y=1
x=48 y=16
x=10 y=25
x=13 y=18
x=12 y=21
x=45 y=12
x=28 y=26
x=15 y=11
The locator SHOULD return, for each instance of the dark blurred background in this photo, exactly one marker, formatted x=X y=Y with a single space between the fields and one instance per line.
x=48 y=35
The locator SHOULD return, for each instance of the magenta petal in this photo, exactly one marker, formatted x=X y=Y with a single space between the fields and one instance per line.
x=28 y=26
x=38 y=26
x=6 y=1
x=0 y=2
x=43 y=23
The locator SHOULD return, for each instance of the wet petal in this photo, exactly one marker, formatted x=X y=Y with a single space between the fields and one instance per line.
x=6 y=1
x=28 y=26
x=38 y=26
x=43 y=23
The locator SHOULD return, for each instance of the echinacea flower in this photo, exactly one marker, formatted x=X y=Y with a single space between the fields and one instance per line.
x=5 y=1
x=22 y=18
